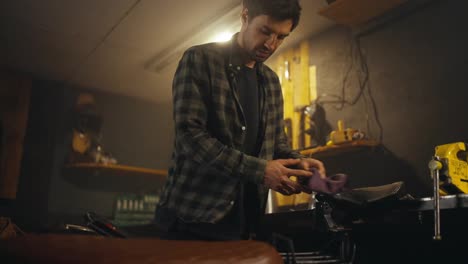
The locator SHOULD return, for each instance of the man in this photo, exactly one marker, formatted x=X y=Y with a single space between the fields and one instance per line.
x=230 y=146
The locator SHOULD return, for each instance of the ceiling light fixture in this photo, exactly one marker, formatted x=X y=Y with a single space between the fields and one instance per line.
x=223 y=36
x=225 y=22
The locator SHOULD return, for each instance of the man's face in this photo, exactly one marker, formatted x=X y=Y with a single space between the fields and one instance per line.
x=262 y=35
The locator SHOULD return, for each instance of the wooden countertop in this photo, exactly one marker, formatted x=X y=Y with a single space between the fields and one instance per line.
x=68 y=248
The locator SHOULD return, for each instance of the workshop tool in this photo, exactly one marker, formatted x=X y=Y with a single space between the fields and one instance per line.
x=449 y=172
x=454 y=171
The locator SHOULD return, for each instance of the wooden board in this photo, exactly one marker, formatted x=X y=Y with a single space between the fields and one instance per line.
x=114 y=177
x=325 y=151
x=357 y=12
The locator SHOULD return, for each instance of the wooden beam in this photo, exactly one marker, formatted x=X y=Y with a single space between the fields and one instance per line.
x=14 y=101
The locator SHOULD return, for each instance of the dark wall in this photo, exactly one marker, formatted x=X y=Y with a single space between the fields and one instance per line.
x=417 y=67
x=136 y=132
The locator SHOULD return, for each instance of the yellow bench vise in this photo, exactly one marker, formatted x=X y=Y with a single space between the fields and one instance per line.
x=454 y=169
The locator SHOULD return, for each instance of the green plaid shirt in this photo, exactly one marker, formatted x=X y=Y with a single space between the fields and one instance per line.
x=208 y=162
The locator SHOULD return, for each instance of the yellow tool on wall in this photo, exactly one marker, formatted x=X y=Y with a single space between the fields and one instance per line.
x=454 y=168
x=343 y=135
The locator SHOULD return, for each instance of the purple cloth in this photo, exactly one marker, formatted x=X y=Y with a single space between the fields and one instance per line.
x=330 y=185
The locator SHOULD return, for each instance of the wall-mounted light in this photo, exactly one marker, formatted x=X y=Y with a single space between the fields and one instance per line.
x=287 y=71
x=281 y=70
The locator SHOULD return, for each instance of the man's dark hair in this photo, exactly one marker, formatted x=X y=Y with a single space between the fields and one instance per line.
x=277 y=9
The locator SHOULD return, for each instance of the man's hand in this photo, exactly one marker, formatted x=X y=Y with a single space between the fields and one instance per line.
x=277 y=173
x=309 y=163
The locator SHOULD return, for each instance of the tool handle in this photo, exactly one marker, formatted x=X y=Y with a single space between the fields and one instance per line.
x=435 y=165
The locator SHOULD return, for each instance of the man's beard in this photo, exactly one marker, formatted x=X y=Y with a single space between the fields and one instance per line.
x=261 y=55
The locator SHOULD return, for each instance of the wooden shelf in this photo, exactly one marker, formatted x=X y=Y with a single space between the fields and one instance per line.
x=113 y=177
x=357 y=12
x=332 y=150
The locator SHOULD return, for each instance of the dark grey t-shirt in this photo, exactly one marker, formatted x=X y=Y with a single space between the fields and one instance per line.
x=249 y=97
x=248 y=92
